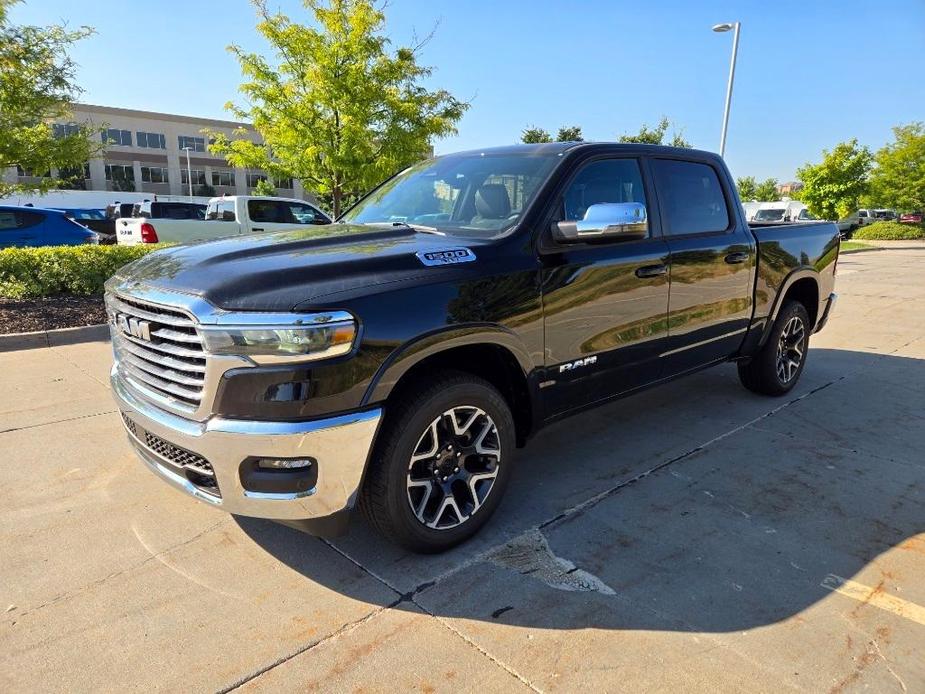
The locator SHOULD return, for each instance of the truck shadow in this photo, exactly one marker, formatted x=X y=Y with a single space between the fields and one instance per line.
x=695 y=506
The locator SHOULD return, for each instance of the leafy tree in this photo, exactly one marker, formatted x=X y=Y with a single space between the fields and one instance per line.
x=899 y=177
x=747 y=187
x=534 y=135
x=570 y=134
x=335 y=106
x=36 y=88
x=831 y=189
x=766 y=191
x=204 y=190
x=656 y=136
x=264 y=187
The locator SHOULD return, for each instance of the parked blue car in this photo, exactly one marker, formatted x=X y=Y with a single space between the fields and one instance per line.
x=32 y=226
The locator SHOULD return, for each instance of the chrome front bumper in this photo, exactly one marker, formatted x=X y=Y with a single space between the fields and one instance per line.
x=341 y=446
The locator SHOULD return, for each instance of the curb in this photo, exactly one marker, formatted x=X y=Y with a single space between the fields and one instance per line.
x=54 y=338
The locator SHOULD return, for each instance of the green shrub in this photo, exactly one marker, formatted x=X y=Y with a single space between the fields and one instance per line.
x=889 y=231
x=50 y=270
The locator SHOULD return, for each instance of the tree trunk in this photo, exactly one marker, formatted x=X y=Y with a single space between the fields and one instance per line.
x=337 y=194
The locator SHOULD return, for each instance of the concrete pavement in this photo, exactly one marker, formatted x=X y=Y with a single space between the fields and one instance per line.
x=693 y=537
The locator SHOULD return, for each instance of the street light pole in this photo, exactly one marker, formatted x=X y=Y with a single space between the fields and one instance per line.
x=720 y=28
x=189 y=173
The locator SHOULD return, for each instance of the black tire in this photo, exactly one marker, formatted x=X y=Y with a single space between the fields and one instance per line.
x=395 y=484
x=778 y=365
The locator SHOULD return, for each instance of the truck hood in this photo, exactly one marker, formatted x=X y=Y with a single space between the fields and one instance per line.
x=278 y=271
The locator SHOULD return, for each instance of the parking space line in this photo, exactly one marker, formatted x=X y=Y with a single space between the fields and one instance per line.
x=876 y=597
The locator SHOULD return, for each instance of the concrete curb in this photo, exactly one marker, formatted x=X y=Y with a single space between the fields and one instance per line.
x=54 y=338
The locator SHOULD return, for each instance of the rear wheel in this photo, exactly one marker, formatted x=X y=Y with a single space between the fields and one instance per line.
x=778 y=365
x=441 y=463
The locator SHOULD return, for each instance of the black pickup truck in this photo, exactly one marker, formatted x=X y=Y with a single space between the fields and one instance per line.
x=394 y=360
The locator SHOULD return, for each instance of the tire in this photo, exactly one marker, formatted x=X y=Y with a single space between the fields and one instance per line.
x=441 y=463
x=777 y=367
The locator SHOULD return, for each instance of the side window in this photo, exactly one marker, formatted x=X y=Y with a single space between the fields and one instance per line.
x=8 y=221
x=297 y=213
x=607 y=180
x=692 y=196
x=24 y=220
x=264 y=211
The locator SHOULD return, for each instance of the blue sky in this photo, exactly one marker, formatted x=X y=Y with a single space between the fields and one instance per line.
x=810 y=73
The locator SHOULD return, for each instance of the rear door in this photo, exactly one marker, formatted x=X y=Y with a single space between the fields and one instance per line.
x=712 y=258
x=605 y=302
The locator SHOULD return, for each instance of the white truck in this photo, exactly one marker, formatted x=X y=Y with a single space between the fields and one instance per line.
x=225 y=216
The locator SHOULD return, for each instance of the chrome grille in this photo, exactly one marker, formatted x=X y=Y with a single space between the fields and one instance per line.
x=164 y=356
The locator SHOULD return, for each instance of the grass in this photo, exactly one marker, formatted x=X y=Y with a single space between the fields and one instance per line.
x=849 y=246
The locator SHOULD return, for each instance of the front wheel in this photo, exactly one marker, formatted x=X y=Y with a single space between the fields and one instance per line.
x=441 y=463
x=776 y=368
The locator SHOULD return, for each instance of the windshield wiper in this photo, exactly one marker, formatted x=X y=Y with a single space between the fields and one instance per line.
x=419 y=227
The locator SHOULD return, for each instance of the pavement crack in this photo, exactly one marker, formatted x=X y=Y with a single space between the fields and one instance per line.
x=57 y=421
x=67 y=595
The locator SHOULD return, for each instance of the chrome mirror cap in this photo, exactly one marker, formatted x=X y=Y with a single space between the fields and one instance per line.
x=610 y=220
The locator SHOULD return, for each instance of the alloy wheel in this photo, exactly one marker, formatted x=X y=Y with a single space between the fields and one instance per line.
x=791 y=348
x=453 y=467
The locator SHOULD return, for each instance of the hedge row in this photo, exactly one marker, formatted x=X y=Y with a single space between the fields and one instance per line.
x=889 y=231
x=49 y=270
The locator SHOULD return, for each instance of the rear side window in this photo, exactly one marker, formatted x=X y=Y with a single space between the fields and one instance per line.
x=692 y=196
x=10 y=220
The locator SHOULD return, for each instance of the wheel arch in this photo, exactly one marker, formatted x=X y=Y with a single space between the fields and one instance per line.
x=802 y=285
x=487 y=351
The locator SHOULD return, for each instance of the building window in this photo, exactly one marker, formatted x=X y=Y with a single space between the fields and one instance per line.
x=120 y=172
x=254 y=178
x=114 y=136
x=223 y=178
x=65 y=130
x=282 y=183
x=199 y=177
x=151 y=140
x=154 y=174
x=196 y=144
x=29 y=173
x=75 y=172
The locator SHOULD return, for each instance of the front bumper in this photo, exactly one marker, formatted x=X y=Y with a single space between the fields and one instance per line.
x=340 y=446
x=827 y=311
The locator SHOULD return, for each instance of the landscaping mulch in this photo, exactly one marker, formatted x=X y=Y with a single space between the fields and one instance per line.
x=50 y=313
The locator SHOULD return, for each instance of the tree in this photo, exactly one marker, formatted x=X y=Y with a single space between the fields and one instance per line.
x=335 y=106
x=534 y=135
x=899 y=177
x=747 y=187
x=656 y=135
x=570 y=134
x=264 y=187
x=36 y=89
x=831 y=189
x=766 y=191
x=204 y=190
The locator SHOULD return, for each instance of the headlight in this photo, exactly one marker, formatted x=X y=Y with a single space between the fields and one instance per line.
x=281 y=343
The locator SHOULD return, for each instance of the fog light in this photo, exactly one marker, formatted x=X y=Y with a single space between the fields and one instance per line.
x=285 y=463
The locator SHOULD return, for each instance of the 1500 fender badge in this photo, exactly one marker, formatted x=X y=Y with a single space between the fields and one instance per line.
x=446 y=256
x=578 y=363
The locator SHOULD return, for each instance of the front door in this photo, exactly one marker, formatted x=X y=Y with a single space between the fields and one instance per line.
x=712 y=258
x=605 y=302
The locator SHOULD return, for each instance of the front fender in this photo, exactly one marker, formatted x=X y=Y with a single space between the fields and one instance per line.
x=413 y=352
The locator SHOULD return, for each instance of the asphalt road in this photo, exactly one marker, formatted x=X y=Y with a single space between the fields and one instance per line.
x=696 y=537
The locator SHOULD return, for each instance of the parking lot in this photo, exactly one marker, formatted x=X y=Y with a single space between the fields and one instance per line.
x=693 y=537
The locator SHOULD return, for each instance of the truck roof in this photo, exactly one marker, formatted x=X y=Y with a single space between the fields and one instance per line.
x=560 y=147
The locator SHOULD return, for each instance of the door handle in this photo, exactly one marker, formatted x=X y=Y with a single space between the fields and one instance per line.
x=651 y=271
x=734 y=258
x=256 y=228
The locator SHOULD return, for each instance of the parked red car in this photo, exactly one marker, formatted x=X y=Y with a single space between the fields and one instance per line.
x=910 y=218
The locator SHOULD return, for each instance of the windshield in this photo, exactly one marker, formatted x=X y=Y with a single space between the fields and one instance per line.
x=769 y=215
x=806 y=214
x=474 y=195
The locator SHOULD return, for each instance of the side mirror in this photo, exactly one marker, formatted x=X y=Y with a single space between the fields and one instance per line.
x=618 y=221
